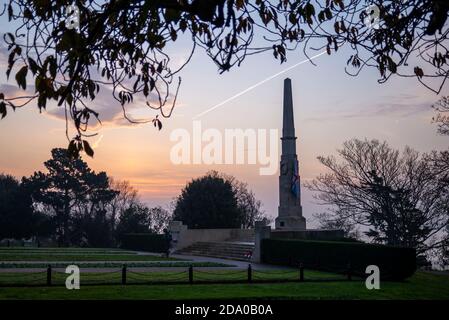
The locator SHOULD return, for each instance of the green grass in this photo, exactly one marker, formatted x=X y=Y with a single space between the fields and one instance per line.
x=146 y=264
x=60 y=252
x=75 y=254
x=82 y=257
x=136 y=277
x=420 y=286
x=61 y=249
x=32 y=257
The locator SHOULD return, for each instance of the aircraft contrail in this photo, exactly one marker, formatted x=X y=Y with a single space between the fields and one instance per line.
x=256 y=85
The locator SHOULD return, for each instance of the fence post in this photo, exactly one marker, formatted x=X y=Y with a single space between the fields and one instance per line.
x=250 y=273
x=124 y=274
x=301 y=272
x=49 y=275
x=190 y=274
x=349 y=271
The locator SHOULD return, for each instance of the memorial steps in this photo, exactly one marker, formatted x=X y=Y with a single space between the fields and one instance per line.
x=235 y=250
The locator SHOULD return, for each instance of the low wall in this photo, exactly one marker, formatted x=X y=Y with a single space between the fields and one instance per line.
x=184 y=237
x=321 y=235
x=265 y=232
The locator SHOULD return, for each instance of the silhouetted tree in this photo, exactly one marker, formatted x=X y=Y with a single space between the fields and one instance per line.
x=217 y=201
x=250 y=208
x=16 y=211
x=329 y=221
x=69 y=188
x=126 y=197
x=439 y=161
x=94 y=211
x=208 y=202
x=159 y=219
x=122 y=44
x=135 y=219
x=400 y=198
x=442 y=116
x=43 y=225
x=139 y=218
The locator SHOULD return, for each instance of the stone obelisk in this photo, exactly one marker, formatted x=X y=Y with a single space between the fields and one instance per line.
x=290 y=209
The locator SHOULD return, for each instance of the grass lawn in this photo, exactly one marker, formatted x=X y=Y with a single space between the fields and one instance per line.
x=62 y=250
x=420 y=286
x=31 y=257
x=74 y=255
x=81 y=257
x=32 y=252
x=199 y=275
x=99 y=264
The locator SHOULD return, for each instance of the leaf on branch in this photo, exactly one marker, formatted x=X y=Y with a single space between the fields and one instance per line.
x=74 y=149
x=3 y=109
x=88 y=149
x=157 y=123
x=10 y=12
x=11 y=38
x=33 y=65
x=239 y=4
x=21 y=77
x=419 y=72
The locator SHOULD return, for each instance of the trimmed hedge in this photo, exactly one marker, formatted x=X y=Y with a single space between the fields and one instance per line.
x=145 y=242
x=394 y=263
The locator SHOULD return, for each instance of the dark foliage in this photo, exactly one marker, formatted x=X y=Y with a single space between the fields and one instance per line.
x=122 y=44
x=145 y=242
x=16 y=211
x=401 y=199
x=135 y=219
x=74 y=195
x=208 y=202
x=74 y=205
x=394 y=263
x=442 y=116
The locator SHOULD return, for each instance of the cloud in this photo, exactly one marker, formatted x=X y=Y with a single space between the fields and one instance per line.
x=111 y=113
x=401 y=108
x=13 y=91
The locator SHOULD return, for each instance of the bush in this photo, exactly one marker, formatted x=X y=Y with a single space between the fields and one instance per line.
x=145 y=242
x=394 y=263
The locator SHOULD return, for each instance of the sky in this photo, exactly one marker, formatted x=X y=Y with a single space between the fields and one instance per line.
x=330 y=107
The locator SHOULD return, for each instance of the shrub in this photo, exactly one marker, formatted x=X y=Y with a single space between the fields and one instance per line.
x=394 y=263
x=144 y=241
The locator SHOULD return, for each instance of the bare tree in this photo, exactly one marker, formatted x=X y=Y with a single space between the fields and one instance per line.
x=249 y=206
x=127 y=196
x=399 y=197
x=442 y=116
x=329 y=221
x=159 y=219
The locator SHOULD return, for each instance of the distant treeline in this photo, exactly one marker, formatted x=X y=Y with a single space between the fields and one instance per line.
x=74 y=205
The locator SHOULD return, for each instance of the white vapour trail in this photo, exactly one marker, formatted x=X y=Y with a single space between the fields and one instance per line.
x=256 y=85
